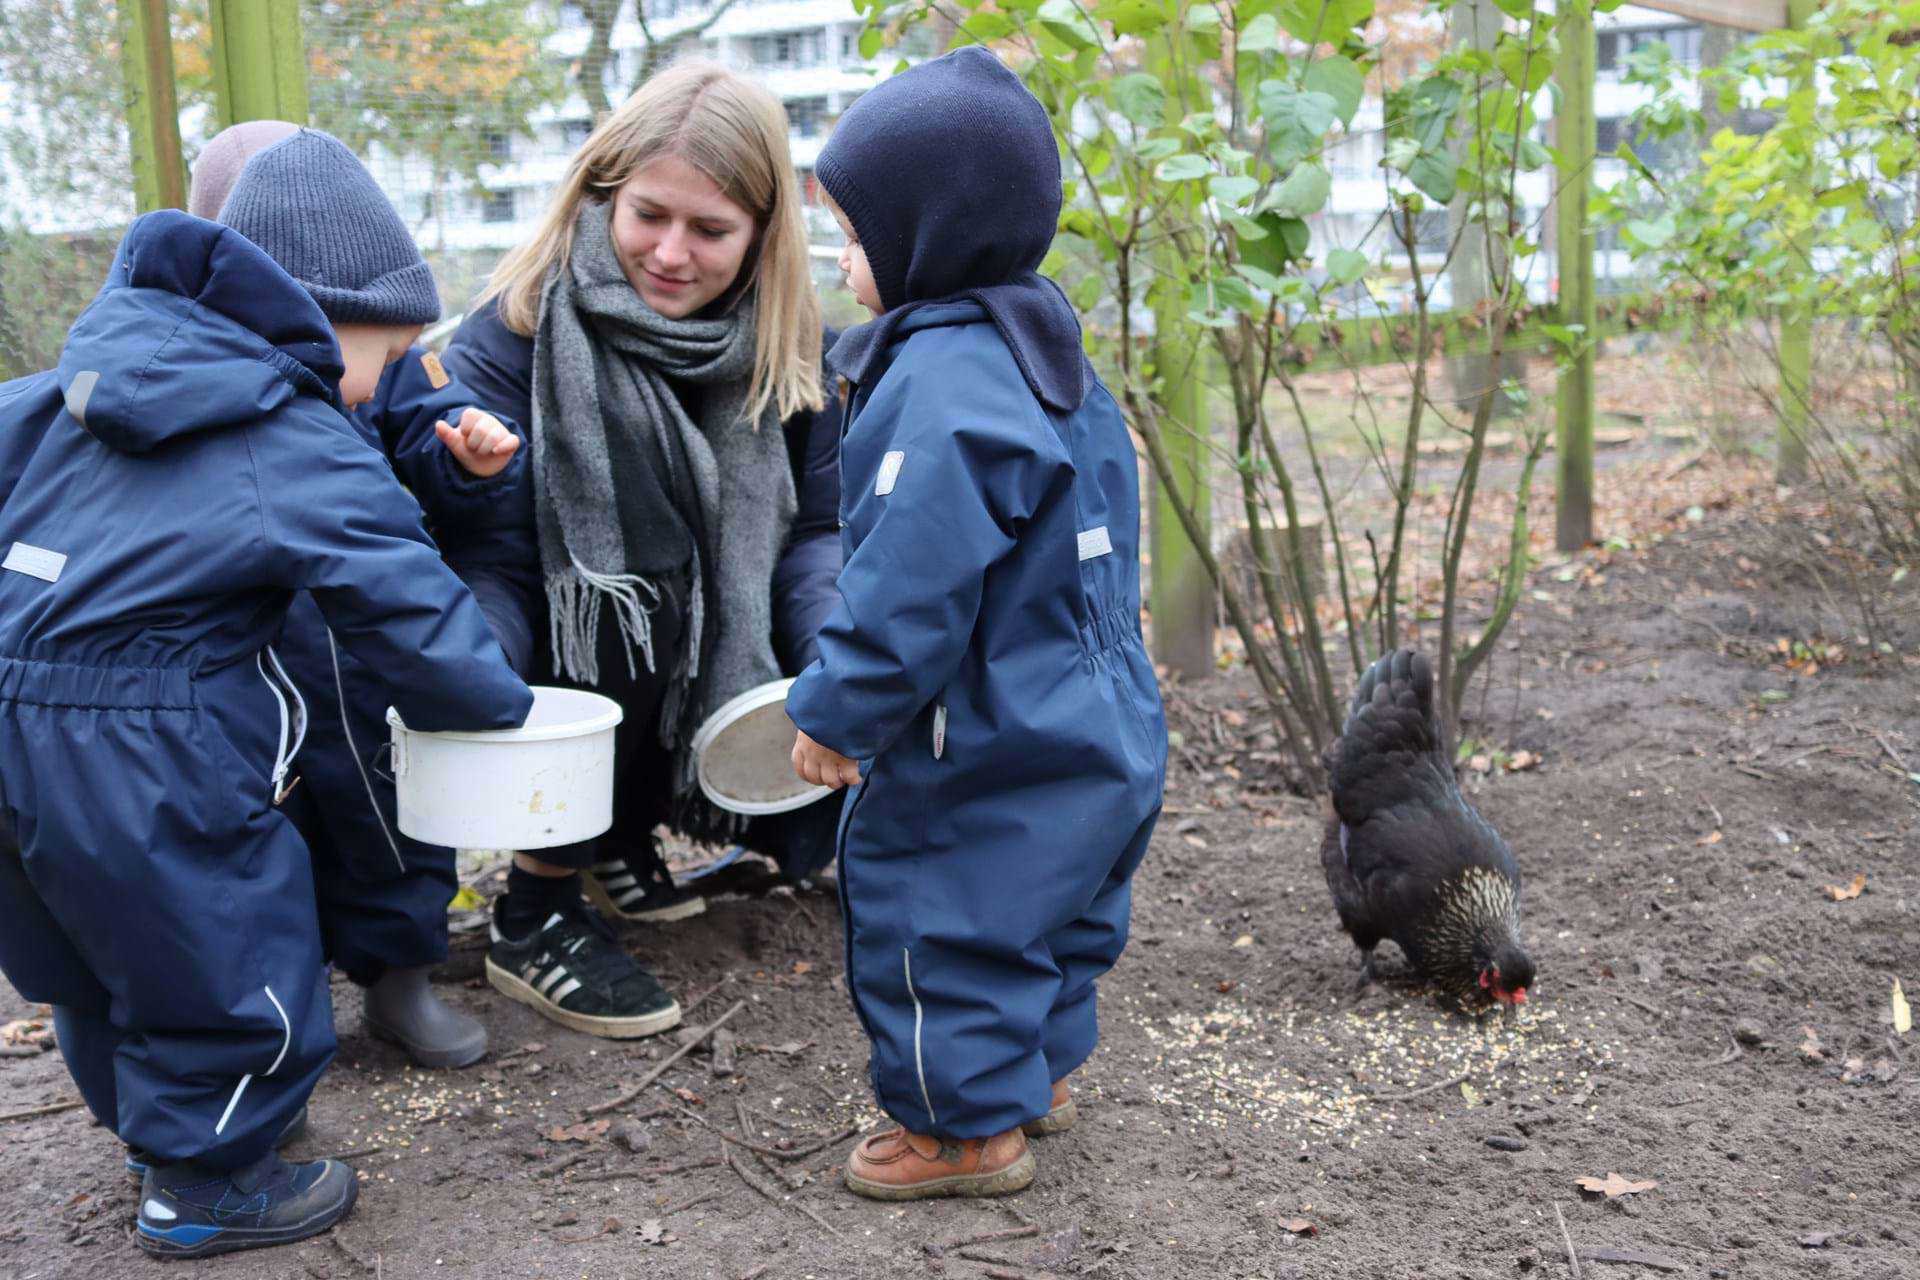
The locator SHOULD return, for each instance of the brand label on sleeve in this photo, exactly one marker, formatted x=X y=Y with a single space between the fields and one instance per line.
x=436 y=372
x=1095 y=542
x=889 y=473
x=35 y=562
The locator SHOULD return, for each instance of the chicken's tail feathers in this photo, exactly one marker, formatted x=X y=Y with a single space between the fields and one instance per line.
x=1398 y=686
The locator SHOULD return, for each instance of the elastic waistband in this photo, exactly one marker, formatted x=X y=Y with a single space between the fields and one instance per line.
x=61 y=684
x=1104 y=631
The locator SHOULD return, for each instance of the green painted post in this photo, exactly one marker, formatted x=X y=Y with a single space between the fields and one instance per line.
x=259 y=61
x=1796 y=332
x=153 y=112
x=1182 y=593
x=1574 y=132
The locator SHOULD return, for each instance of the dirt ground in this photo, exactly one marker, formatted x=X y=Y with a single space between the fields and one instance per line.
x=1708 y=1019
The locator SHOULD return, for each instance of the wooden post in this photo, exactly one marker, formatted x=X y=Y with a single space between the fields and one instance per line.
x=1476 y=24
x=1796 y=328
x=1573 y=125
x=153 y=112
x=1181 y=593
x=259 y=61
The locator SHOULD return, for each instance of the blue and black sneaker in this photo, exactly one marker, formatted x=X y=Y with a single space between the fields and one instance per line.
x=138 y=1160
x=190 y=1211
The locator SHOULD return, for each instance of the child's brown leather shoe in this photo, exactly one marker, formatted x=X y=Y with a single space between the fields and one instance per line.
x=897 y=1165
x=1059 y=1118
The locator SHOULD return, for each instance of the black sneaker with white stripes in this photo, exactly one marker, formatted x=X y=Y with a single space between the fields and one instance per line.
x=637 y=886
x=574 y=971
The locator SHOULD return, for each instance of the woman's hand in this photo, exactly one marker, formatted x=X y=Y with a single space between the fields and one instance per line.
x=481 y=444
x=823 y=766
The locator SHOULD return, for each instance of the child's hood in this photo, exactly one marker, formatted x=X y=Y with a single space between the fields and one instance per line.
x=950 y=176
x=195 y=329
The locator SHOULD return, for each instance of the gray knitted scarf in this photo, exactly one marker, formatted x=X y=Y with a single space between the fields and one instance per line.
x=634 y=500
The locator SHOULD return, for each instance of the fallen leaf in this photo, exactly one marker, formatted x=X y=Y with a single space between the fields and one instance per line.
x=1810 y=1048
x=1244 y=940
x=1712 y=837
x=1847 y=892
x=1300 y=1227
x=1613 y=1186
x=585 y=1132
x=689 y=1097
x=1818 y=1240
x=802 y=967
x=1522 y=760
x=1471 y=1094
x=1479 y=763
x=1223 y=987
x=1902 y=1011
x=466 y=900
x=27 y=1031
x=651 y=1231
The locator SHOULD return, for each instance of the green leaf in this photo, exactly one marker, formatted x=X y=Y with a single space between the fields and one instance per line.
x=1344 y=266
x=979 y=28
x=1260 y=279
x=1087 y=293
x=1202 y=17
x=1286 y=241
x=870 y=41
x=1262 y=35
x=1304 y=191
x=1140 y=98
x=1183 y=168
x=1651 y=235
x=1132 y=17
x=1435 y=173
x=1341 y=79
x=1326 y=21
x=1297 y=121
x=1232 y=189
x=1526 y=67
x=1244 y=227
x=1515 y=8
x=1064 y=19
x=1157 y=149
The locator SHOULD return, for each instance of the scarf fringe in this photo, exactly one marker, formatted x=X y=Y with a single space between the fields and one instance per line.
x=574 y=599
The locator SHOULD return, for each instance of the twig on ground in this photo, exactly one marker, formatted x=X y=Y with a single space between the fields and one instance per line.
x=647 y=1171
x=1714 y=809
x=1006 y=1273
x=793 y=1179
x=614 y=1104
x=559 y=1166
x=1887 y=747
x=51 y=1109
x=1421 y=1092
x=1634 y=1258
x=684 y=1205
x=335 y=1239
x=607 y=1227
x=758 y=1184
x=358 y=1153
x=979 y=1255
x=701 y=999
x=1638 y=1003
x=1752 y=772
x=989 y=1237
x=1573 y=1259
x=832 y=1140
x=723 y=1135
x=1250 y=1096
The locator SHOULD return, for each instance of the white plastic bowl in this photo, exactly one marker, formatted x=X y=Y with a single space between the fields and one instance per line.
x=744 y=755
x=545 y=784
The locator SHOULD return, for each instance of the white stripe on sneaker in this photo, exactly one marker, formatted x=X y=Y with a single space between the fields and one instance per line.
x=550 y=979
x=564 y=990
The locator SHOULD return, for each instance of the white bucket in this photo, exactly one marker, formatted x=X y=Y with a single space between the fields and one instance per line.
x=744 y=754
x=545 y=784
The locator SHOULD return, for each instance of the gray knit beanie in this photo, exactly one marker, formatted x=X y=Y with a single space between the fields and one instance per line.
x=218 y=166
x=317 y=212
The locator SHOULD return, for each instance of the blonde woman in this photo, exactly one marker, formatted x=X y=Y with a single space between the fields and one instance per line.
x=660 y=337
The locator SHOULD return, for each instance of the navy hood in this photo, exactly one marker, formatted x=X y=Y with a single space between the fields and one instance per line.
x=195 y=329
x=950 y=176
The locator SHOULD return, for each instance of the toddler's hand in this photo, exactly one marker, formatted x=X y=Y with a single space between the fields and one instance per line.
x=823 y=766
x=481 y=444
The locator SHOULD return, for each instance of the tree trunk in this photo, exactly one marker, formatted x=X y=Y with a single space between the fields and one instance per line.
x=1476 y=24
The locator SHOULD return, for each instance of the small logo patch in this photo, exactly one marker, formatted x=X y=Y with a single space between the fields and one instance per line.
x=889 y=473
x=35 y=562
x=436 y=372
x=1095 y=542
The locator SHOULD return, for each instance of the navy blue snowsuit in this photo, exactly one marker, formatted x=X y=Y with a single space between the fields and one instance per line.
x=163 y=495
x=383 y=895
x=985 y=664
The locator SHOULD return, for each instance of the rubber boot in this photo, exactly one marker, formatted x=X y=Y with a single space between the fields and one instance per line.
x=402 y=1009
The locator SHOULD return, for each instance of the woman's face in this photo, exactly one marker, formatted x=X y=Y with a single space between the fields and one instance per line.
x=680 y=240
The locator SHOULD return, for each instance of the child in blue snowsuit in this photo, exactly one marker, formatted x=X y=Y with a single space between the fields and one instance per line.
x=982 y=685
x=382 y=895
x=163 y=494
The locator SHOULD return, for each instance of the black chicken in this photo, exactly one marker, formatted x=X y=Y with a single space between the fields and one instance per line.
x=1407 y=857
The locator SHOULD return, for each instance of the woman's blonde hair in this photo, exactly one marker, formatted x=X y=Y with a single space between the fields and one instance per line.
x=735 y=132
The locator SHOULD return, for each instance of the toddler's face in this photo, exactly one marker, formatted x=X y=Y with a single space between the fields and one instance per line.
x=680 y=240
x=367 y=349
x=853 y=263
